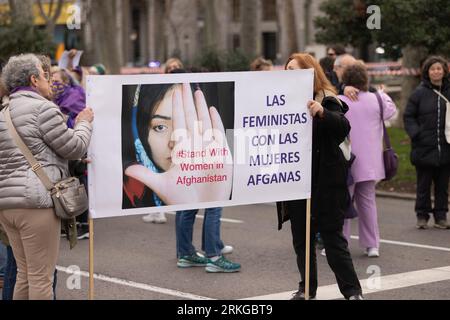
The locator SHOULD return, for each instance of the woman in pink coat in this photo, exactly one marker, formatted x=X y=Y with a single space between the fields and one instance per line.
x=366 y=138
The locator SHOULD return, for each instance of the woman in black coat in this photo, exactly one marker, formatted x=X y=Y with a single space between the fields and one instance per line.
x=329 y=193
x=430 y=153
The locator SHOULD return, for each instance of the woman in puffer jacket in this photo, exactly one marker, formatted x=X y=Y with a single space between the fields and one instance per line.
x=26 y=208
x=424 y=119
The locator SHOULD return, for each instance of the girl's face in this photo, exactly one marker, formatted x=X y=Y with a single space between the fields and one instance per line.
x=56 y=77
x=159 y=136
x=293 y=65
x=331 y=53
x=436 y=72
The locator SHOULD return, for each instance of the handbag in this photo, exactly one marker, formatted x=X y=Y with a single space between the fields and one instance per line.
x=447 y=116
x=68 y=195
x=390 y=158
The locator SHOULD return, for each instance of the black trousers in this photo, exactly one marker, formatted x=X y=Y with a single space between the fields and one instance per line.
x=439 y=176
x=84 y=217
x=338 y=255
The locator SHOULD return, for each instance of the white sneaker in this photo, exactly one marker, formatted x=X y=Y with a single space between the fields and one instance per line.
x=148 y=218
x=160 y=217
x=157 y=217
x=323 y=253
x=373 y=252
x=227 y=250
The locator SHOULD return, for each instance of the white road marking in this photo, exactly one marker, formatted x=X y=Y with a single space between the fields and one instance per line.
x=409 y=244
x=389 y=282
x=200 y=216
x=330 y=292
x=136 y=285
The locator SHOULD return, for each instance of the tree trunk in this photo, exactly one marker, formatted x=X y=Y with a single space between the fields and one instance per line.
x=103 y=20
x=50 y=17
x=412 y=56
x=249 y=27
x=158 y=27
x=287 y=30
x=174 y=28
x=291 y=27
x=87 y=41
x=210 y=24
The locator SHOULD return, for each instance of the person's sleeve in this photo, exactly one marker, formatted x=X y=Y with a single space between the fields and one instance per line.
x=74 y=102
x=340 y=88
x=389 y=107
x=334 y=121
x=77 y=168
x=410 y=116
x=70 y=144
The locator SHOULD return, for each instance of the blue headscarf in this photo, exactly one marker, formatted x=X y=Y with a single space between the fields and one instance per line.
x=141 y=156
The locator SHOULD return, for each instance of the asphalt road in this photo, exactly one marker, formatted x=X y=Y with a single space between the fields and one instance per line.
x=135 y=260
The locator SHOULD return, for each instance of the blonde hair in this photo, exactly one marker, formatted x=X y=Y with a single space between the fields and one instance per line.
x=306 y=61
x=260 y=63
x=173 y=60
x=65 y=77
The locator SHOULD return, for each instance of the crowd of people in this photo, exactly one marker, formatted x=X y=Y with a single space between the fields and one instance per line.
x=47 y=105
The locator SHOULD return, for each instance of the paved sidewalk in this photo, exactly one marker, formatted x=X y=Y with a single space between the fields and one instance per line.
x=399 y=195
x=395 y=195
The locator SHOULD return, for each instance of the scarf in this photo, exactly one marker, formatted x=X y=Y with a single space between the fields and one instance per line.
x=141 y=156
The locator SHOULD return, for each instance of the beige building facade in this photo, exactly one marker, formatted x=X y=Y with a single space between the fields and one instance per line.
x=154 y=30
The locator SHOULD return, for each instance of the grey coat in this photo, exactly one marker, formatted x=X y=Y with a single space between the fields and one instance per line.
x=42 y=127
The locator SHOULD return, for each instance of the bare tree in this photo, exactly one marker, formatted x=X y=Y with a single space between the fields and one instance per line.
x=291 y=25
x=249 y=26
x=103 y=19
x=287 y=28
x=179 y=15
x=50 y=17
x=169 y=6
x=160 y=41
x=211 y=28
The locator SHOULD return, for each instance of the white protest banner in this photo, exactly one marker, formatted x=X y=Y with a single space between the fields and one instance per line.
x=187 y=141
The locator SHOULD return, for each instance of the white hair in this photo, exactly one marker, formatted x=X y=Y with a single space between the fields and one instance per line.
x=345 y=56
x=19 y=69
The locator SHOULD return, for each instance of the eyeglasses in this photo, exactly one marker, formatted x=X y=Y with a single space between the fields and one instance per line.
x=47 y=76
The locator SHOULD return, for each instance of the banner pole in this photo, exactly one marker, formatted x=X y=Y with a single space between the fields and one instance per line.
x=91 y=259
x=308 y=245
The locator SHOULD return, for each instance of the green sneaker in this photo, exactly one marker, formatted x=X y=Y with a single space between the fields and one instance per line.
x=194 y=260
x=422 y=223
x=222 y=265
x=441 y=224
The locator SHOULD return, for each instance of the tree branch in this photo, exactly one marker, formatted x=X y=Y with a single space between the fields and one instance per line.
x=42 y=12
x=58 y=11
x=51 y=17
x=50 y=8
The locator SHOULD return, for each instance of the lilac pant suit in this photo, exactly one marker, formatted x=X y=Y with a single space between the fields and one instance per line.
x=366 y=139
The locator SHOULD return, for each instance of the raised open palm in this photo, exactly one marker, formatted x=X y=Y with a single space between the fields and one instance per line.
x=202 y=167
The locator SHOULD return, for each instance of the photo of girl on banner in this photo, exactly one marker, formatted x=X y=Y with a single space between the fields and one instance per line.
x=174 y=148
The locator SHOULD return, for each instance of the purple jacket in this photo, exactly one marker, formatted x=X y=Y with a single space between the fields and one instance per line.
x=71 y=99
x=366 y=134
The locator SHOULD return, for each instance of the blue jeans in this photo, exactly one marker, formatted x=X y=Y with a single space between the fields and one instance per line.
x=184 y=227
x=11 y=274
x=2 y=259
